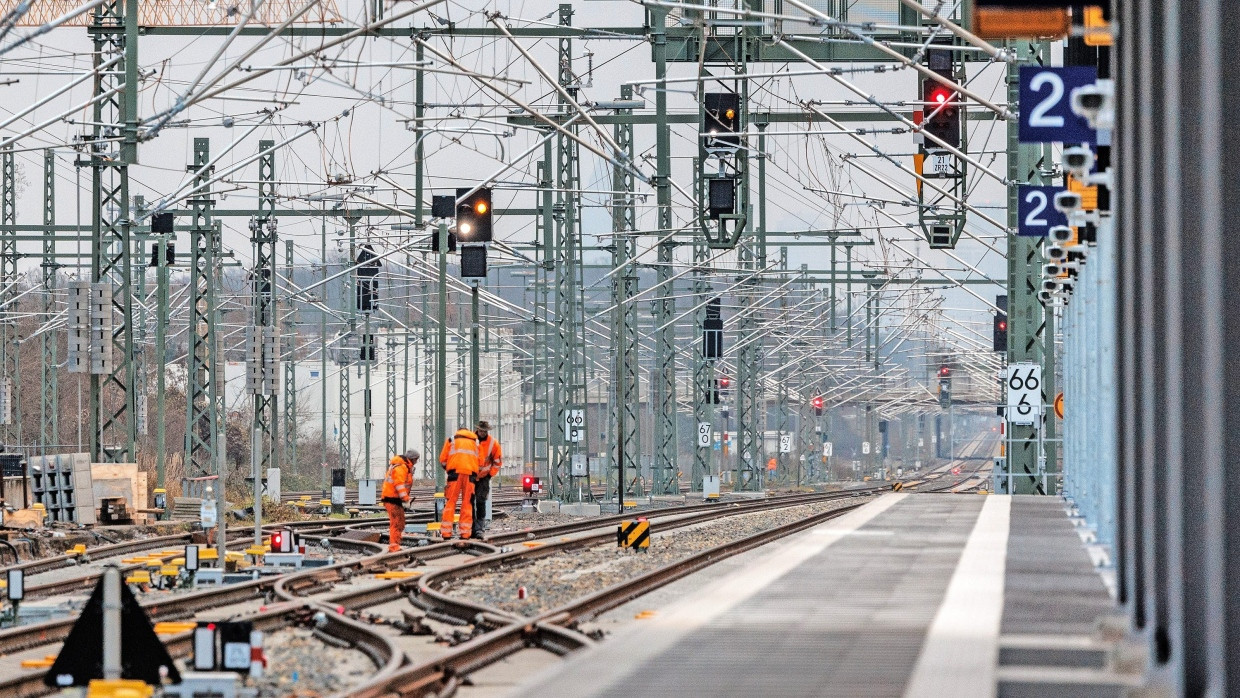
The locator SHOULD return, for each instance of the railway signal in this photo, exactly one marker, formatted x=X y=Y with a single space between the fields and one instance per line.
x=473 y=215
x=941 y=108
x=1001 y=324
x=818 y=403
x=722 y=119
x=712 y=331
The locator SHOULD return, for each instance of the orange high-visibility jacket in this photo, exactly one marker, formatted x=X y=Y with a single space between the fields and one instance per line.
x=490 y=457
x=460 y=453
x=399 y=479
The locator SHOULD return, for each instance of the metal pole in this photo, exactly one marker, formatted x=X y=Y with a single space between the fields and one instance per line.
x=441 y=356
x=220 y=542
x=664 y=469
x=323 y=354
x=161 y=353
x=256 y=446
x=475 y=346
x=111 y=623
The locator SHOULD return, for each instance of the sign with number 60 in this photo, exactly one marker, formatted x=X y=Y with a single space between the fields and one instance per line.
x=1024 y=393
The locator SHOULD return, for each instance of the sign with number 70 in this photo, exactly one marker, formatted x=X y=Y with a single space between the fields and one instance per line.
x=1024 y=393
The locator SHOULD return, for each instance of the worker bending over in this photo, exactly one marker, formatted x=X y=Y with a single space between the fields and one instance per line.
x=490 y=459
x=459 y=458
x=395 y=495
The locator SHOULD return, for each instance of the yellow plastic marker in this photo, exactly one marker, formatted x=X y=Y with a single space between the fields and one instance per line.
x=433 y=526
x=305 y=498
x=39 y=663
x=208 y=554
x=79 y=549
x=256 y=550
x=174 y=628
x=643 y=615
x=118 y=688
x=138 y=578
x=169 y=570
x=398 y=574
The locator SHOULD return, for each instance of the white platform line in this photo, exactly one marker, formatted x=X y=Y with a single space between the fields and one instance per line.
x=961 y=651
x=644 y=640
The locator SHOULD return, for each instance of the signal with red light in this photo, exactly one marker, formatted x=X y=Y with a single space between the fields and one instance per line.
x=941 y=111
x=1001 y=324
x=818 y=403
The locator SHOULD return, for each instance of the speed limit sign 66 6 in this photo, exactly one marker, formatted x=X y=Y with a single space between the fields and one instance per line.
x=1024 y=393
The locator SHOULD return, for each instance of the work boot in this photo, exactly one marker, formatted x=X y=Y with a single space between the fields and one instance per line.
x=394 y=548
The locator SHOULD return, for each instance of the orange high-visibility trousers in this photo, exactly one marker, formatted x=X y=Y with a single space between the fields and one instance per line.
x=458 y=493
x=396 y=525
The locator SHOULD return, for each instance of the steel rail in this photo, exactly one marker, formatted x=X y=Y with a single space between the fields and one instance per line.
x=547 y=630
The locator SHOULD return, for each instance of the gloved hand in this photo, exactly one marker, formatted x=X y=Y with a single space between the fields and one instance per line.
x=473 y=477
x=409 y=504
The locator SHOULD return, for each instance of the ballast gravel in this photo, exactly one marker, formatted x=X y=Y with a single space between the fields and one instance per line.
x=560 y=578
x=300 y=664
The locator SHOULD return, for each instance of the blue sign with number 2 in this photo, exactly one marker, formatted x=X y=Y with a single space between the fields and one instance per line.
x=1046 y=105
x=1037 y=212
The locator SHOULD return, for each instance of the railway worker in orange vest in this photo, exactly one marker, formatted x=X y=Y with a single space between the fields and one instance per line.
x=490 y=460
x=459 y=458
x=395 y=494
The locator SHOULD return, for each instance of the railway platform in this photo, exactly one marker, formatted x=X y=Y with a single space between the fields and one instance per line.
x=910 y=595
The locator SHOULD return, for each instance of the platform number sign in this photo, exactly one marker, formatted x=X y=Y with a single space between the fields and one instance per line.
x=1024 y=393
x=574 y=425
x=1036 y=210
x=704 y=435
x=785 y=443
x=1046 y=105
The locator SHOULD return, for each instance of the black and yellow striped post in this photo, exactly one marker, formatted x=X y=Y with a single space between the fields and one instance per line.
x=633 y=533
x=897 y=486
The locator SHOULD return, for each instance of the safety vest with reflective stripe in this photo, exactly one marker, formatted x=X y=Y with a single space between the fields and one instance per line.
x=491 y=457
x=460 y=453
x=398 y=480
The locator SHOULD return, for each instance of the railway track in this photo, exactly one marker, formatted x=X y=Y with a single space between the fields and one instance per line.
x=290 y=592
x=552 y=629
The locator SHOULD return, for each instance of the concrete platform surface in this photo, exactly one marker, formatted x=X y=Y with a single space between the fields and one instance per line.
x=910 y=595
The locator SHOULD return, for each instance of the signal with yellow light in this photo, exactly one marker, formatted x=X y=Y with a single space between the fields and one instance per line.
x=722 y=122
x=473 y=215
